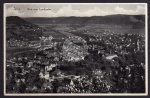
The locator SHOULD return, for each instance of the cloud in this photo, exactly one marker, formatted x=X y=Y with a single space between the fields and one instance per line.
x=95 y=12
x=64 y=11
x=71 y=10
x=139 y=10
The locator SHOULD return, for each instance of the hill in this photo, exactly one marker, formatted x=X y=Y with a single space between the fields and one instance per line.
x=17 y=28
x=135 y=20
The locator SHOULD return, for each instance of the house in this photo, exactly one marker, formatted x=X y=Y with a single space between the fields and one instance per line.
x=111 y=56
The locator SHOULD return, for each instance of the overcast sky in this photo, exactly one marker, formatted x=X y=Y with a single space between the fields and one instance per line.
x=65 y=10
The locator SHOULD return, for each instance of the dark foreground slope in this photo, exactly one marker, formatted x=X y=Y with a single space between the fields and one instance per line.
x=17 y=28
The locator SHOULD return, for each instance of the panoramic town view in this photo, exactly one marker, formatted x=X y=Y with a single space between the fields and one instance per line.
x=75 y=54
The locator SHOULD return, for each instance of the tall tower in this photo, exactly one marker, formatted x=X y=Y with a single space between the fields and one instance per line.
x=138 y=46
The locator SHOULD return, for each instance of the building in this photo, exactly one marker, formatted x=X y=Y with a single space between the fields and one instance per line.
x=111 y=56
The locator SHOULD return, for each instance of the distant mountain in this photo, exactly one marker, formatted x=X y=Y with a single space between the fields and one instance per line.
x=17 y=28
x=135 y=20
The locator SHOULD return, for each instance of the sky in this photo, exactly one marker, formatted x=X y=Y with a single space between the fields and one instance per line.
x=77 y=10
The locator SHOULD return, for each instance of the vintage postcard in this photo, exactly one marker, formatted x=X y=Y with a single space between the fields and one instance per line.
x=72 y=49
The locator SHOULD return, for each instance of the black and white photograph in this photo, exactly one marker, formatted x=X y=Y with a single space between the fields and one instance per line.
x=75 y=49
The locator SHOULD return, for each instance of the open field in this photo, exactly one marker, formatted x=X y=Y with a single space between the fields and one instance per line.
x=17 y=51
x=65 y=29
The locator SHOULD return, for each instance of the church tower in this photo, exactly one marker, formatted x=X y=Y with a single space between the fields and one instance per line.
x=138 y=45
